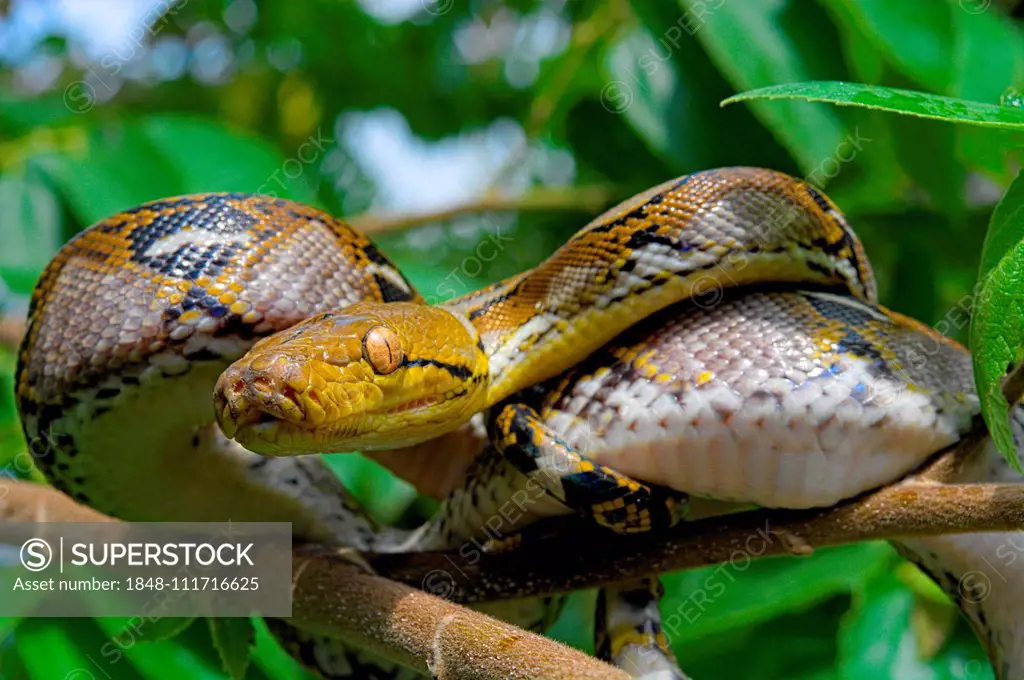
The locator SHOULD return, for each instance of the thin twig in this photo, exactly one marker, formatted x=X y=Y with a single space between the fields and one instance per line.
x=11 y=330
x=601 y=26
x=607 y=19
x=588 y=199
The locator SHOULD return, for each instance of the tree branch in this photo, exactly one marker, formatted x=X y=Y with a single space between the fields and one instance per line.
x=11 y=330
x=570 y=556
x=401 y=622
x=587 y=199
x=417 y=629
x=406 y=625
x=424 y=632
x=564 y=554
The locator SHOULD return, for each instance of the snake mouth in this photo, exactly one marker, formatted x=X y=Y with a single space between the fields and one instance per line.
x=273 y=432
x=265 y=435
x=242 y=404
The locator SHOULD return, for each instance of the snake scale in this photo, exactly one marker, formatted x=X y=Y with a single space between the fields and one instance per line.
x=756 y=366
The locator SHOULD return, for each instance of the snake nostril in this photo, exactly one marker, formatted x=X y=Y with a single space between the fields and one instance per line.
x=262 y=384
x=238 y=386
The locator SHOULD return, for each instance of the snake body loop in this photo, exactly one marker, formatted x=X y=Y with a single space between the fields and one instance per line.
x=691 y=237
x=132 y=322
x=129 y=327
x=782 y=397
x=789 y=399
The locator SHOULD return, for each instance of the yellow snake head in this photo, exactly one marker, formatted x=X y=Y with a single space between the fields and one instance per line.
x=370 y=376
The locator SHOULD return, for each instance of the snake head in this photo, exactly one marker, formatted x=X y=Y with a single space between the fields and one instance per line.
x=371 y=376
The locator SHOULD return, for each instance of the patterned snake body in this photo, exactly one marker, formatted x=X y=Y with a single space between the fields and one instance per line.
x=129 y=328
x=785 y=399
x=789 y=398
x=134 y=319
x=702 y=398
x=316 y=389
x=876 y=412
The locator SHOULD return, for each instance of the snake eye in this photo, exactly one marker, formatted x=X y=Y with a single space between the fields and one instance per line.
x=382 y=350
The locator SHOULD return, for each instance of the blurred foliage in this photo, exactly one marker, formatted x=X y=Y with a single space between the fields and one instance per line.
x=479 y=98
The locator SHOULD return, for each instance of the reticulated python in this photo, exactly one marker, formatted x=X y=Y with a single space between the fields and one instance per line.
x=768 y=397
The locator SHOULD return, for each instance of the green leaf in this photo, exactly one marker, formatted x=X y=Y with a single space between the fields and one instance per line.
x=166 y=627
x=208 y=156
x=7 y=625
x=180 y=155
x=30 y=230
x=877 y=181
x=575 y=623
x=989 y=56
x=651 y=101
x=913 y=276
x=669 y=89
x=12 y=441
x=862 y=57
x=799 y=644
x=755 y=44
x=180 y=657
x=907 y=102
x=269 y=657
x=115 y=168
x=925 y=150
x=233 y=638
x=384 y=495
x=1006 y=228
x=914 y=36
x=716 y=599
x=997 y=324
x=75 y=649
x=879 y=639
x=25 y=115
x=923 y=587
x=876 y=631
x=11 y=662
x=565 y=79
